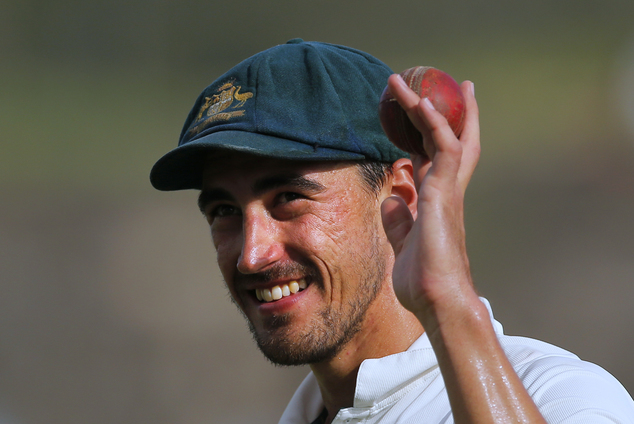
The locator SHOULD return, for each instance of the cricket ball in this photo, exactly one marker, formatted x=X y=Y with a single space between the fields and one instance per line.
x=443 y=92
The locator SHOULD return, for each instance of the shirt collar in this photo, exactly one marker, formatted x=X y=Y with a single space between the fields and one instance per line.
x=378 y=380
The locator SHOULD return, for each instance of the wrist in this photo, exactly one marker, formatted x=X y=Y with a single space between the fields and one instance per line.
x=454 y=311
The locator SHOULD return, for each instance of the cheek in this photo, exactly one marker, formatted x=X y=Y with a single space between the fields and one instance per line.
x=338 y=233
x=227 y=259
x=228 y=247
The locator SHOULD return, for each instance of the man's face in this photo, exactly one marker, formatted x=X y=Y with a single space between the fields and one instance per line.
x=301 y=248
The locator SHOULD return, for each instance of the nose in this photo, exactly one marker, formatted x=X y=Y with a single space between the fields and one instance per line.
x=260 y=245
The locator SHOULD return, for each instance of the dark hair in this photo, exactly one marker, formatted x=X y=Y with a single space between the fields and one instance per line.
x=374 y=173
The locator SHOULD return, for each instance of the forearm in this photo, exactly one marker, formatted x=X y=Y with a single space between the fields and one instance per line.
x=481 y=383
x=431 y=272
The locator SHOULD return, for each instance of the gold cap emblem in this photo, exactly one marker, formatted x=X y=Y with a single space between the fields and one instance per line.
x=216 y=107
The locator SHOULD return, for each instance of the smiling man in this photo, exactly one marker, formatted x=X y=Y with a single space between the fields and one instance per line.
x=311 y=230
x=344 y=253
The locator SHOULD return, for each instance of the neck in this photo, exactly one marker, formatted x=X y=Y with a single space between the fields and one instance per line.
x=388 y=328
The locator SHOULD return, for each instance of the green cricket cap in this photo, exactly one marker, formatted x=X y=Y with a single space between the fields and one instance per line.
x=297 y=101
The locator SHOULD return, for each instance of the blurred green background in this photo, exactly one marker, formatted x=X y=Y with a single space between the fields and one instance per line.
x=112 y=310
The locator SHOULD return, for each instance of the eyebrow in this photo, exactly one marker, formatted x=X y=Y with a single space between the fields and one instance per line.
x=213 y=195
x=262 y=186
x=286 y=180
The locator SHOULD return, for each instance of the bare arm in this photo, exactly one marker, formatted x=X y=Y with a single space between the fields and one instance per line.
x=431 y=273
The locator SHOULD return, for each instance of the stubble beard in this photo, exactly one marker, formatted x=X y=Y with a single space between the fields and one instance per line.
x=323 y=339
x=329 y=332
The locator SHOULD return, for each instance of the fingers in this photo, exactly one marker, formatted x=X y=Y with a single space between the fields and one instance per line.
x=448 y=150
x=454 y=160
x=441 y=144
x=397 y=221
x=470 y=136
x=407 y=98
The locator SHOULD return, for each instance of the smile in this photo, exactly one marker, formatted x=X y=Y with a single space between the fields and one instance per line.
x=280 y=291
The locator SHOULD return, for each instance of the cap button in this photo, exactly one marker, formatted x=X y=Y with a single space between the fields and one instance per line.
x=295 y=41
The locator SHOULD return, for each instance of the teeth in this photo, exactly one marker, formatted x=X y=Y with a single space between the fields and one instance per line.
x=293 y=287
x=278 y=292
x=266 y=295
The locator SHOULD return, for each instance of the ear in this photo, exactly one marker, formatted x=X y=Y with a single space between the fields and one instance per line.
x=403 y=185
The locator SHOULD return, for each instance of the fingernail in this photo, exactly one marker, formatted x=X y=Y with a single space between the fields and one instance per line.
x=472 y=88
x=428 y=103
x=401 y=80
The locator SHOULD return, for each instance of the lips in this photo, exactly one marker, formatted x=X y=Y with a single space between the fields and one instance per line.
x=280 y=291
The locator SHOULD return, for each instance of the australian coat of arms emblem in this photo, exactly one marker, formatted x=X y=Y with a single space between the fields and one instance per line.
x=221 y=107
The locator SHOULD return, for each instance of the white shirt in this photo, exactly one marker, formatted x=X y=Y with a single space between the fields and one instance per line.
x=407 y=387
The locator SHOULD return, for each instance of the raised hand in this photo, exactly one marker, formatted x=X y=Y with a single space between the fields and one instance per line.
x=431 y=274
x=431 y=260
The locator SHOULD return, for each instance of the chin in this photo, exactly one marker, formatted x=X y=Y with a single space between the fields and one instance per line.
x=320 y=342
x=284 y=354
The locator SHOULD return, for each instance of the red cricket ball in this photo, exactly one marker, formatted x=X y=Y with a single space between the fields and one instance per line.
x=443 y=92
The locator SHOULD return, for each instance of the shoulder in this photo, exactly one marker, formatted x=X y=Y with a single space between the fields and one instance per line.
x=566 y=388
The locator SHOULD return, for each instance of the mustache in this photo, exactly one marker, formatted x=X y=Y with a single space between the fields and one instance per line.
x=279 y=272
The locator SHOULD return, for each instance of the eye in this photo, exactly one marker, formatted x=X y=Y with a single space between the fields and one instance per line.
x=222 y=211
x=288 y=196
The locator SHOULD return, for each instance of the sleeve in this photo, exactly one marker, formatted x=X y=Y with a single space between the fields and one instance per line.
x=569 y=390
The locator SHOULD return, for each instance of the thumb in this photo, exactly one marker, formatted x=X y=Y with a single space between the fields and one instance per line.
x=397 y=221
